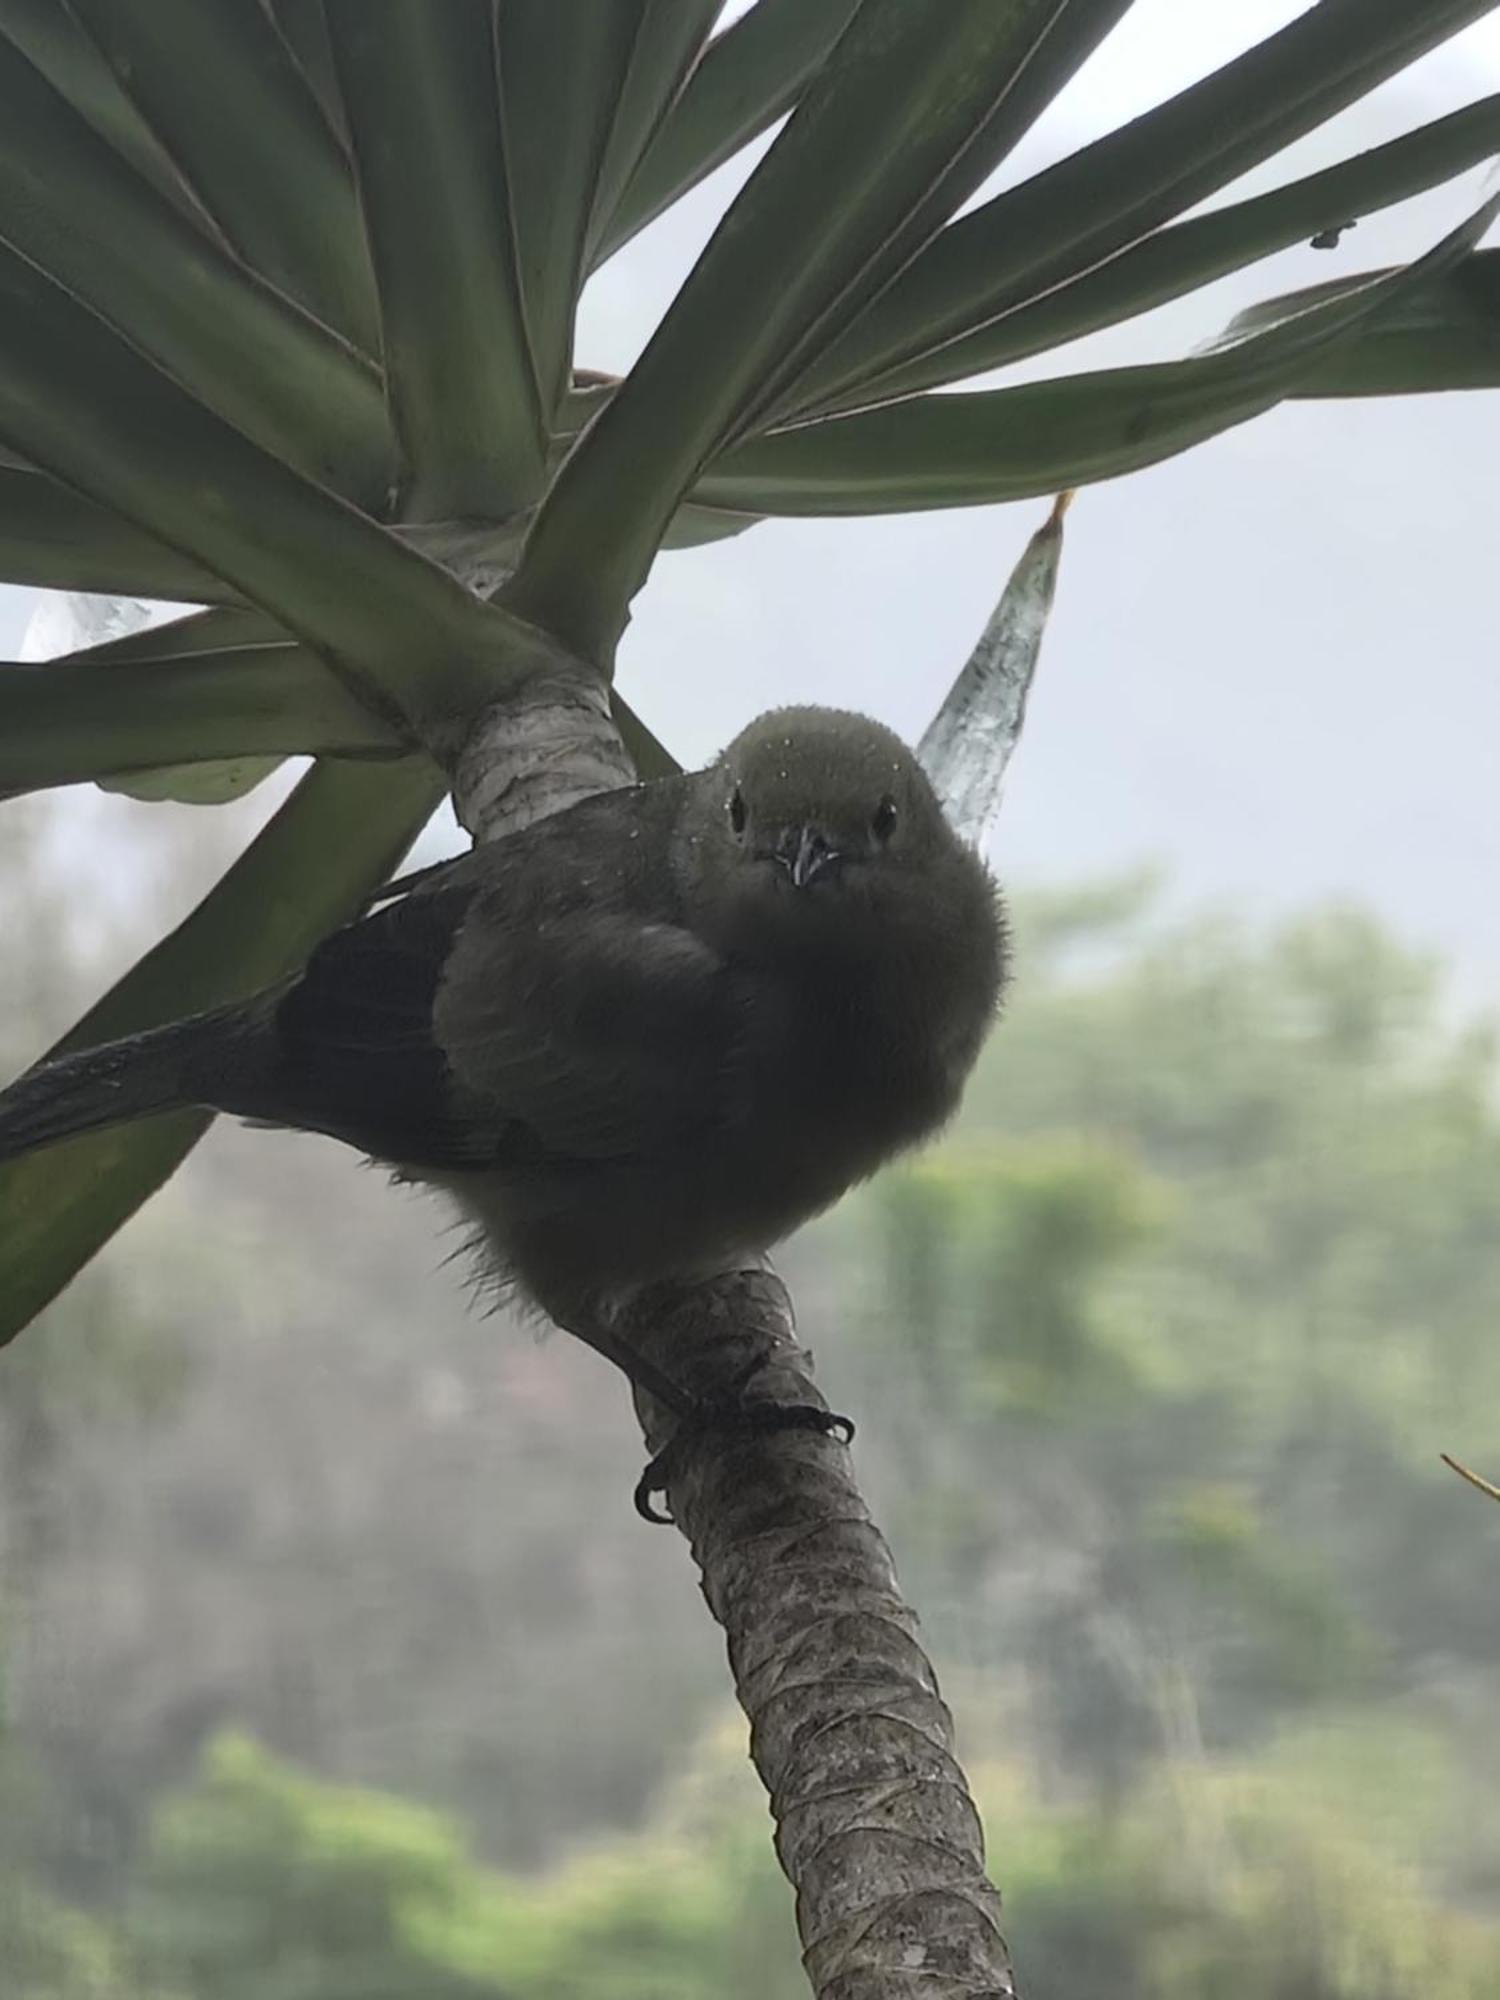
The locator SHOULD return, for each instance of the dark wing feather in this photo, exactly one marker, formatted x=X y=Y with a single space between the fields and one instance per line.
x=536 y=998
x=354 y=1052
x=604 y=1035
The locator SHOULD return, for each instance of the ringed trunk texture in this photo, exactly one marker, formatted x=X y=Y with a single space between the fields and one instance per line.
x=875 y=1826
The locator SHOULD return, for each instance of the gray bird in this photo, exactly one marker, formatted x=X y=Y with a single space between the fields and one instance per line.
x=640 y=1040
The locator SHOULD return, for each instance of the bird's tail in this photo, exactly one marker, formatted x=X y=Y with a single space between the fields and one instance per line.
x=163 y=1069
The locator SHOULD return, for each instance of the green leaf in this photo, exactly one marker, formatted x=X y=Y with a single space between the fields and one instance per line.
x=339 y=835
x=1194 y=253
x=304 y=29
x=747 y=78
x=215 y=782
x=906 y=118
x=49 y=36
x=1013 y=444
x=1066 y=220
x=55 y=538
x=669 y=41
x=1445 y=336
x=563 y=65
x=1049 y=42
x=693 y=525
x=231 y=638
x=234 y=636
x=220 y=89
x=70 y=204
x=70 y=720
x=203 y=635
x=77 y=401
x=419 y=91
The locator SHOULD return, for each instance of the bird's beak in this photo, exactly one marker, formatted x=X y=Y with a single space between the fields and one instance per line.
x=805 y=853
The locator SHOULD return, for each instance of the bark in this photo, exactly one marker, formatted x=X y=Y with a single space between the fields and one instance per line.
x=875 y=1826
x=547 y=747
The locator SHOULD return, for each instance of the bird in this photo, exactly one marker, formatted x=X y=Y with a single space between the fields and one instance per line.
x=640 y=1040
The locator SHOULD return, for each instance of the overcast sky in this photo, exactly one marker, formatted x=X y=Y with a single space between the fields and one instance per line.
x=1272 y=666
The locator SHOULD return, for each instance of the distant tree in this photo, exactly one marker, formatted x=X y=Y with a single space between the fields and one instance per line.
x=1204 y=1285
x=1260 y=1880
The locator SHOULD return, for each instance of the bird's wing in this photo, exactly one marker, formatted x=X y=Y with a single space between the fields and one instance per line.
x=535 y=998
x=352 y=1049
x=605 y=1035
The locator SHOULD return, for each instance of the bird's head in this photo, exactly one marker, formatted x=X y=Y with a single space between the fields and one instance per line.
x=810 y=822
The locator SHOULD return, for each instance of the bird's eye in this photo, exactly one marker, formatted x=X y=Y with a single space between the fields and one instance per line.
x=737 y=810
x=883 y=822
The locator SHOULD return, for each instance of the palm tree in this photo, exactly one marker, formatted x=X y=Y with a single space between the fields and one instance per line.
x=289 y=289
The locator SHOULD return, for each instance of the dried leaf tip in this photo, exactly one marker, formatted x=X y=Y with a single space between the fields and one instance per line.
x=1473 y=1477
x=969 y=742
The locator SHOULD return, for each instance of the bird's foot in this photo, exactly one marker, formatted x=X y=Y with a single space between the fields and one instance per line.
x=734 y=1417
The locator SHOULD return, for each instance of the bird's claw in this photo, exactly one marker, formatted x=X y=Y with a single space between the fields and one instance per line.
x=756 y=1418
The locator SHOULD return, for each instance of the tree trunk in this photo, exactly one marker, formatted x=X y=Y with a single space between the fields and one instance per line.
x=875 y=1827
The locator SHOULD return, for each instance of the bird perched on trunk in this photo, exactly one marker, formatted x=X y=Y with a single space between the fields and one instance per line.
x=644 y=1038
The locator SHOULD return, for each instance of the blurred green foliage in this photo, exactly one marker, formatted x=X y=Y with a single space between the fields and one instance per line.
x=1261 y=1881
x=260 y=1883
x=1185 y=1312
x=51 y=1952
x=1153 y=1357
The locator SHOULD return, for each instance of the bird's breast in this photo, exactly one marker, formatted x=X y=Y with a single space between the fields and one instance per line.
x=850 y=1073
x=831 y=1080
